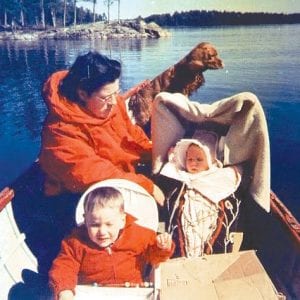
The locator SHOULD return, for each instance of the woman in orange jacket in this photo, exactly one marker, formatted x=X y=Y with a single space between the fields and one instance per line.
x=88 y=136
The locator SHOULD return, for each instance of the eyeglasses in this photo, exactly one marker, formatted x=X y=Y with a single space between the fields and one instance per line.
x=108 y=97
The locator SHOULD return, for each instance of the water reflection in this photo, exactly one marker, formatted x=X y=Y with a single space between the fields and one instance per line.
x=25 y=66
x=255 y=60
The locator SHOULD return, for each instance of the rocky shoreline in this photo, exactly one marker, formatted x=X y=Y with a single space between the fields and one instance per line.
x=98 y=30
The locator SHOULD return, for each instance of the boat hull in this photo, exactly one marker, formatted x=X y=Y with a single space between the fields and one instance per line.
x=275 y=236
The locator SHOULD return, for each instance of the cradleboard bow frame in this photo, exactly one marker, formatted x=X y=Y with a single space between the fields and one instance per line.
x=245 y=140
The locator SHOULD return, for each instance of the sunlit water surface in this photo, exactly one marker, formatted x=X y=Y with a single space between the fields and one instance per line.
x=260 y=59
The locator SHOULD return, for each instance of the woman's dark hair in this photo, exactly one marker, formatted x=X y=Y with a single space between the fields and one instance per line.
x=89 y=73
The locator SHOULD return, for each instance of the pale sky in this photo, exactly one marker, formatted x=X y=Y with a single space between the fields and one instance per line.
x=134 y=8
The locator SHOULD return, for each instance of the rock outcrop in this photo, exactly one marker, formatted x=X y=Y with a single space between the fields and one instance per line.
x=98 y=30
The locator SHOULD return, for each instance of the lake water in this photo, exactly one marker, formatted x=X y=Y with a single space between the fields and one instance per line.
x=261 y=59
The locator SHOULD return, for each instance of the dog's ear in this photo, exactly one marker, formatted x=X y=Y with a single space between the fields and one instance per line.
x=197 y=58
x=196 y=65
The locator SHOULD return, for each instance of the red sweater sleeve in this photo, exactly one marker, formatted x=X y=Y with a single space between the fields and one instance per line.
x=65 y=268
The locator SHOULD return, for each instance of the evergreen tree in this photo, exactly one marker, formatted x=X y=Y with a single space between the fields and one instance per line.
x=94 y=8
x=118 y=11
x=108 y=4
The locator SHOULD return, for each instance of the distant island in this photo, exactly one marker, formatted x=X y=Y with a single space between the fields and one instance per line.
x=217 y=18
x=64 y=21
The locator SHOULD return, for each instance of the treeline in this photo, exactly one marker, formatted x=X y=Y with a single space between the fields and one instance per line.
x=216 y=18
x=54 y=13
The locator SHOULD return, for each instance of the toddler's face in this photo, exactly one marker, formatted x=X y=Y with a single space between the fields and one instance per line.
x=104 y=225
x=196 y=160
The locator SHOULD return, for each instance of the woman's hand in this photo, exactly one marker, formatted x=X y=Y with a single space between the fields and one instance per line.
x=164 y=241
x=66 y=295
x=158 y=195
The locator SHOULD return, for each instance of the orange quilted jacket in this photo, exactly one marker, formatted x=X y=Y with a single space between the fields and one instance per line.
x=79 y=149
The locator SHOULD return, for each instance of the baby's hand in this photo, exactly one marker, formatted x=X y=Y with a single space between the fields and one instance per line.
x=158 y=195
x=164 y=241
x=171 y=154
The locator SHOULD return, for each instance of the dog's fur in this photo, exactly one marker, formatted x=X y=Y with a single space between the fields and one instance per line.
x=184 y=77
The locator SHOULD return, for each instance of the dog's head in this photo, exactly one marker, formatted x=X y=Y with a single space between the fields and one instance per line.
x=203 y=57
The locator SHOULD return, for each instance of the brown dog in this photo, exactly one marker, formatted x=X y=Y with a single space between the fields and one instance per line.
x=184 y=77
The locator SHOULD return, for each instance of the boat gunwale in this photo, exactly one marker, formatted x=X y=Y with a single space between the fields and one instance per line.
x=289 y=221
x=6 y=196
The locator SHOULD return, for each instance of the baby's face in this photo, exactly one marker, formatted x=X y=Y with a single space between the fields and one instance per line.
x=196 y=160
x=104 y=225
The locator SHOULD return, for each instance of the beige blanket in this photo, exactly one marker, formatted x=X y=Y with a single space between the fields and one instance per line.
x=247 y=139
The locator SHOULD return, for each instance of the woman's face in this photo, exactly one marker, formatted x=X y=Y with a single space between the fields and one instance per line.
x=101 y=102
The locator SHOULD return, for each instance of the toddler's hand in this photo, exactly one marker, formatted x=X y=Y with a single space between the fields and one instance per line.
x=164 y=241
x=66 y=295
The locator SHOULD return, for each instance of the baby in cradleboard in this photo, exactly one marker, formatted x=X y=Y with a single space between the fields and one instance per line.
x=206 y=186
x=108 y=249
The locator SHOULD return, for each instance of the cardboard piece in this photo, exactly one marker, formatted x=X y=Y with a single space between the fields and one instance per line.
x=84 y=292
x=230 y=276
